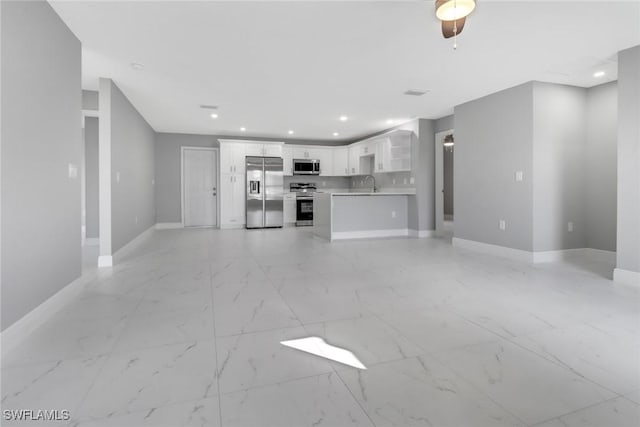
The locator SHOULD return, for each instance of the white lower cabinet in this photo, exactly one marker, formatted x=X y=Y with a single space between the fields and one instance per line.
x=287 y=160
x=289 y=208
x=232 y=201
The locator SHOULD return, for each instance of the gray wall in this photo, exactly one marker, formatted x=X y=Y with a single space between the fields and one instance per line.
x=601 y=166
x=425 y=175
x=167 y=166
x=40 y=203
x=89 y=100
x=559 y=142
x=444 y=123
x=493 y=139
x=628 y=243
x=91 y=175
x=132 y=157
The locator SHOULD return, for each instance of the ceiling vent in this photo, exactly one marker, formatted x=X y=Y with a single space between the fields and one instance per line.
x=415 y=92
x=209 y=107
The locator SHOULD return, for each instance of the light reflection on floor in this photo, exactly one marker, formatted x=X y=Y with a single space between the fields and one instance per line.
x=319 y=347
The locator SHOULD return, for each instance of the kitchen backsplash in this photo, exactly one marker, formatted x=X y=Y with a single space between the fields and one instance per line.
x=333 y=182
x=384 y=181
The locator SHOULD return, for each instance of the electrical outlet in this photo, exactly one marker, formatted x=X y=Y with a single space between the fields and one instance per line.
x=136 y=219
x=153 y=182
x=412 y=180
x=503 y=224
x=405 y=180
x=519 y=176
x=393 y=214
x=73 y=171
x=117 y=176
x=393 y=181
x=324 y=183
x=570 y=226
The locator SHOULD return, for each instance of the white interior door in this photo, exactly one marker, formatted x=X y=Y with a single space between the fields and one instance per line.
x=439 y=190
x=199 y=187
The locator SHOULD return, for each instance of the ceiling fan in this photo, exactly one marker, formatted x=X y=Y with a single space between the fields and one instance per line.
x=453 y=14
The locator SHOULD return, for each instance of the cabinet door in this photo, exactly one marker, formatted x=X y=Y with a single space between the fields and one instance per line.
x=354 y=159
x=326 y=160
x=382 y=155
x=238 y=157
x=300 y=153
x=239 y=199
x=341 y=161
x=226 y=199
x=397 y=153
x=272 y=150
x=226 y=158
x=287 y=160
x=253 y=149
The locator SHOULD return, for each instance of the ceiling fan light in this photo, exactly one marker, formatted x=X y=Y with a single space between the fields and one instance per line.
x=452 y=10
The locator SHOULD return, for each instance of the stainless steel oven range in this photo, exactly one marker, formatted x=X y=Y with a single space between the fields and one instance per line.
x=304 y=202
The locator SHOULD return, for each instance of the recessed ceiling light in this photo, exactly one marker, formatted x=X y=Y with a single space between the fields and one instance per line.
x=598 y=74
x=390 y=121
x=336 y=134
x=214 y=115
x=344 y=118
x=137 y=66
x=416 y=92
x=242 y=129
x=290 y=132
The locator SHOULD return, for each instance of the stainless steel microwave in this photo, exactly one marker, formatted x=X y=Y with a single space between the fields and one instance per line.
x=306 y=167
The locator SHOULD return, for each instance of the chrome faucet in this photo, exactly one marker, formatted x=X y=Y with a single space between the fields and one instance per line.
x=374 y=182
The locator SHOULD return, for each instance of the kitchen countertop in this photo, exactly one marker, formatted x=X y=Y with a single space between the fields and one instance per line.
x=369 y=193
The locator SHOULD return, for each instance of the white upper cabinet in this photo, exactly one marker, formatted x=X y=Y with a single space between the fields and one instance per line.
x=273 y=150
x=232 y=156
x=287 y=160
x=396 y=151
x=325 y=156
x=340 y=161
x=355 y=151
x=263 y=149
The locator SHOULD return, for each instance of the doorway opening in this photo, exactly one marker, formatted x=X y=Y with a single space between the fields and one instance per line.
x=445 y=143
x=89 y=191
x=199 y=186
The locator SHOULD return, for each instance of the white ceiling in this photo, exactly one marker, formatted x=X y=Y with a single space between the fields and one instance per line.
x=275 y=66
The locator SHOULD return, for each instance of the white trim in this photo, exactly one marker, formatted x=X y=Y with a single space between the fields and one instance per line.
x=91 y=113
x=535 y=257
x=368 y=234
x=422 y=233
x=439 y=178
x=231 y=226
x=27 y=324
x=216 y=173
x=105 y=261
x=133 y=244
x=168 y=225
x=626 y=277
x=496 y=250
x=92 y=241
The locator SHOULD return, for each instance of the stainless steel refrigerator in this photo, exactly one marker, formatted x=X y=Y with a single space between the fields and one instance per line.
x=264 y=192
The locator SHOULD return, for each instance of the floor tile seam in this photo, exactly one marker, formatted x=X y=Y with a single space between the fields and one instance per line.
x=168 y=313
x=543 y=357
x=104 y=363
x=215 y=341
x=593 y=405
x=128 y=412
x=335 y=371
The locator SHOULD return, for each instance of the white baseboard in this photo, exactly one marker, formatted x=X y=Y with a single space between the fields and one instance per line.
x=168 y=225
x=126 y=249
x=422 y=233
x=231 y=226
x=368 y=234
x=490 y=249
x=26 y=325
x=627 y=277
x=105 y=261
x=535 y=257
x=92 y=241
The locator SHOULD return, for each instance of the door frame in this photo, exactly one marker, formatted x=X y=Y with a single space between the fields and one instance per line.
x=439 y=181
x=216 y=174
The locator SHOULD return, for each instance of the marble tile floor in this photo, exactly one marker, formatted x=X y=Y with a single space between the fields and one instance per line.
x=186 y=331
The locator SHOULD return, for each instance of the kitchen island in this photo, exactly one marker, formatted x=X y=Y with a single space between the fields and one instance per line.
x=351 y=215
